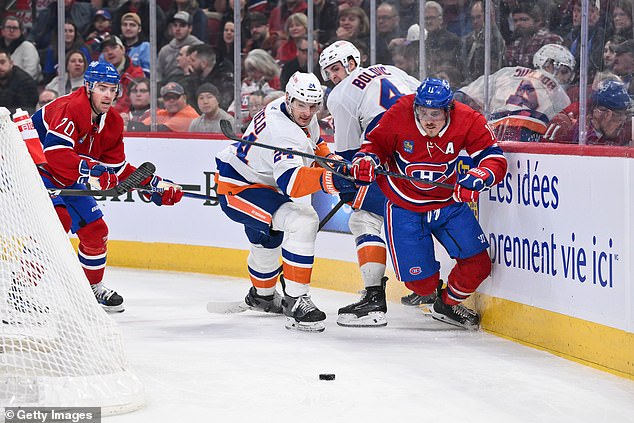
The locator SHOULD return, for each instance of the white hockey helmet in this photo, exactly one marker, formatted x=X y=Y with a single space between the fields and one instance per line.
x=304 y=87
x=558 y=55
x=339 y=51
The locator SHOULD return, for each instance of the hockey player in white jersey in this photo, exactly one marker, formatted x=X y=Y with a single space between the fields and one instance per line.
x=357 y=102
x=256 y=187
x=523 y=101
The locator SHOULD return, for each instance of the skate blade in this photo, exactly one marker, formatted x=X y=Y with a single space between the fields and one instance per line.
x=113 y=309
x=292 y=324
x=373 y=319
x=445 y=319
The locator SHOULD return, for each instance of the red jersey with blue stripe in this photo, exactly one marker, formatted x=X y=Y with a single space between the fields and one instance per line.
x=403 y=147
x=68 y=135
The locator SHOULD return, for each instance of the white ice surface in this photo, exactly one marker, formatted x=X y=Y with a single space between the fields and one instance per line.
x=199 y=367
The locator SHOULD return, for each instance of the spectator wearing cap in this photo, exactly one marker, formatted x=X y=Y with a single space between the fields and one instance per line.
x=623 y=64
x=181 y=29
x=98 y=31
x=137 y=49
x=142 y=9
x=45 y=26
x=608 y=121
x=23 y=53
x=261 y=37
x=197 y=17
x=113 y=52
x=207 y=97
x=177 y=114
x=76 y=65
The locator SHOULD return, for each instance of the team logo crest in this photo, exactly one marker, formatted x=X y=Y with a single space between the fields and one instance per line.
x=408 y=146
x=415 y=270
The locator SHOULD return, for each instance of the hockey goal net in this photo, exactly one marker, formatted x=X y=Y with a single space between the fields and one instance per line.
x=58 y=348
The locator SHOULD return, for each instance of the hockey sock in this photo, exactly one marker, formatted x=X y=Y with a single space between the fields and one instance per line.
x=466 y=277
x=372 y=254
x=93 y=240
x=425 y=286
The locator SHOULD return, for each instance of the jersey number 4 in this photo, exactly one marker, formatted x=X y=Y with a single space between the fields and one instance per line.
x=389 y=94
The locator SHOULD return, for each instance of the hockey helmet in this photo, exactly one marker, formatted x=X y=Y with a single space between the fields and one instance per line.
x=304 y=87
x=557 y=55
x=434 y=93
x=338 y=51
x=101 y=72
x=612 y=95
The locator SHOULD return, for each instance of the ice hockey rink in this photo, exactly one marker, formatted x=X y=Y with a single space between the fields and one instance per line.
x=201 y=367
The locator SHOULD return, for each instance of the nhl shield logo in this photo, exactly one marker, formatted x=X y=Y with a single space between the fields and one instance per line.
x=408 y=146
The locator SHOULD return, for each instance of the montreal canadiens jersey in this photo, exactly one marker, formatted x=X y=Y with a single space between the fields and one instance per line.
x=68 y=135
x=359 y=100
x=242 y=166
x=403 y=147
x=527 y=97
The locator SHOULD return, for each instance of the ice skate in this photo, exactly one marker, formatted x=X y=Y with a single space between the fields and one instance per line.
x=109 y=299
x=457 y=315
x=265 y=303
x=302 y=314
x=369 y=311
x=424 y=302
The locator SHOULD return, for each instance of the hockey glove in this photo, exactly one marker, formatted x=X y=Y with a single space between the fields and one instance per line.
x=363 y=168
x=468 y=188
x=98 y=176
x=332 y=183
x=163 y=192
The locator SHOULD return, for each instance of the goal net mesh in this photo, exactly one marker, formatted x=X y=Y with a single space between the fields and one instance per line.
x=58 y=348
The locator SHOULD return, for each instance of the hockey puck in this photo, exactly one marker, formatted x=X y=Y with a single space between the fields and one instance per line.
x=327 y=376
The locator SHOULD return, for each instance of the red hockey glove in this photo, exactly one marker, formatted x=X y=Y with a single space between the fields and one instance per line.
x=363 y=166
x=97 y=175
x=163 y=192
x=468 y=188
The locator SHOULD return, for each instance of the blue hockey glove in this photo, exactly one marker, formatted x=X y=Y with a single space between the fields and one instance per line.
x=98 y=176
x=332 y=183
x=468 y=188
x=163 y=192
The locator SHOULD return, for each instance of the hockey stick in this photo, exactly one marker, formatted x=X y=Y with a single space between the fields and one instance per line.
x=227 y=131
x=330 y=214
x=134 y=180
x=233 y=307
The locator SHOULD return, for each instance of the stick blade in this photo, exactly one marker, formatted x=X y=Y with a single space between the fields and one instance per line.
x=227 y=129
x=141 y=173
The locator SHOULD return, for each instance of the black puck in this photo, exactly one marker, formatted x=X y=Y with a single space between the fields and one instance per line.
x=327 y=376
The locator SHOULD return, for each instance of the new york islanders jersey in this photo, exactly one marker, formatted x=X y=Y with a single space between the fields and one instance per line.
x=520 y=98
x=242 y=166
x=359 y=100
x=403 y=147
x=68 y=135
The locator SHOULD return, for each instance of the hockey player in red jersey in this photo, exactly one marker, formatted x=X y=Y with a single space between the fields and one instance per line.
x=82 y=140
x=421 y=136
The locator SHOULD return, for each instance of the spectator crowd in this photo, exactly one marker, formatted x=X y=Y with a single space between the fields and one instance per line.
x=195 y=69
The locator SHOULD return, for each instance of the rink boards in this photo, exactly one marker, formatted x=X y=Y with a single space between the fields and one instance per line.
x=559 y=227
